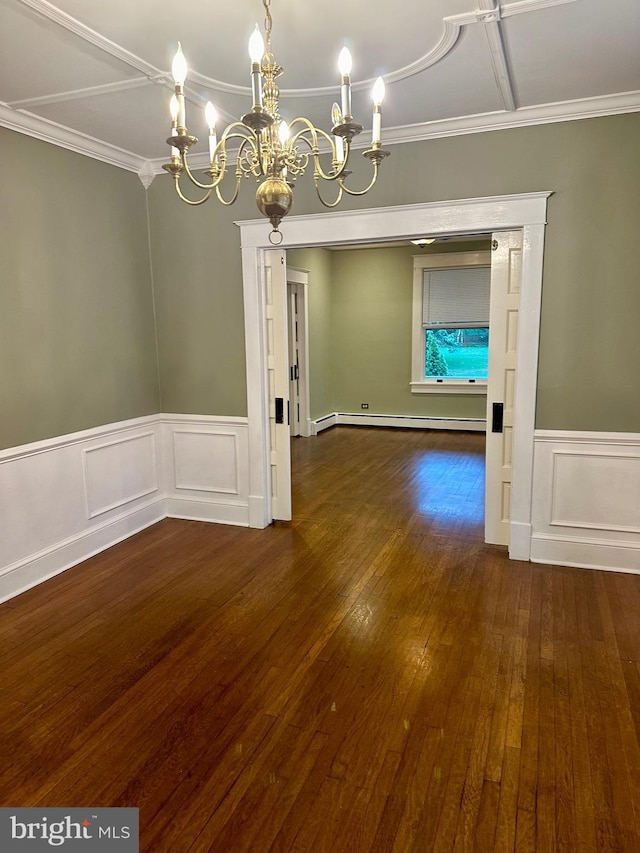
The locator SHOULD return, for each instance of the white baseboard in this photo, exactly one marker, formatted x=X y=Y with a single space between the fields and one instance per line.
x=38 y=568
x=586 y=554
x=197 y=510
x=519 y=541
x=65 y=499
x=410 y=421
x=586 y=500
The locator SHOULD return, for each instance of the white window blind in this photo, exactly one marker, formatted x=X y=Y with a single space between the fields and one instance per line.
x=456 y=297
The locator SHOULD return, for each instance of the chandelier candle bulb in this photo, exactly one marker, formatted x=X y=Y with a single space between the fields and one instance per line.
x=283 y=133
x=179 y=71
x=256 y=51
x=211 y=117
x=344 y=67
x=378 y=95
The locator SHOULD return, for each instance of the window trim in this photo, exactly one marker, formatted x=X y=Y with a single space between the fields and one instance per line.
x=419 y=384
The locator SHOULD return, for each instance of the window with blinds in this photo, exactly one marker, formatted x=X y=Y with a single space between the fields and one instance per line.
x=456 y=297
x=455 y=322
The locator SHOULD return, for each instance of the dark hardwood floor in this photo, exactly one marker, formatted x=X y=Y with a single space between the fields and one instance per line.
x=370 y=677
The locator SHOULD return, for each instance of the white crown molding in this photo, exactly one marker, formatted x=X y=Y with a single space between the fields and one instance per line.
x=48 y=131
x=606 y=105
x=618 y=104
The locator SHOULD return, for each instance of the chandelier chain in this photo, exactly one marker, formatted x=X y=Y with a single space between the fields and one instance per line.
x=268 y=23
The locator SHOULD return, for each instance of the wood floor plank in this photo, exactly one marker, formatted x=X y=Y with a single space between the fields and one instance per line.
x=370 y=677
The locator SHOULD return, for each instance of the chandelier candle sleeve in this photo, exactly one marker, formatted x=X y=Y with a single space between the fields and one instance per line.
x=211 y=117
x=256 y=51
x=173 y=109
x=378 y=95
x=179 y=71
x=338 y=141
x=344 y=67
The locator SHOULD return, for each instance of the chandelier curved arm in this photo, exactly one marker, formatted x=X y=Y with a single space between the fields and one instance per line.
x=188 y=200
x=307 y=126
x=316 y=179
x=252 y=165
x=229 y=202
x=366 y=190
x=215 y=181
x=216 y=171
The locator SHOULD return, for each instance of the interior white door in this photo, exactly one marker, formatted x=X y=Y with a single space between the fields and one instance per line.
x=275 y=272
x=506 y=276
x=294 y=357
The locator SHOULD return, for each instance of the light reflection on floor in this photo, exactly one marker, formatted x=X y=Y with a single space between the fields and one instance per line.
x=449 y=485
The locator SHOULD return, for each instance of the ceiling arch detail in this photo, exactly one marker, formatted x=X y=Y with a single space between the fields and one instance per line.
x=454 y=66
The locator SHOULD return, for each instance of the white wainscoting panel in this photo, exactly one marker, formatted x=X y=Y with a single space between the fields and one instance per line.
x=206 y=461
x=586 y=500
x=64 y=499
x=207 y=464
x=119 y=471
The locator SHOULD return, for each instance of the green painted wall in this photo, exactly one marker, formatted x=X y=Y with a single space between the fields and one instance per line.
x=360 y=306
x=590 y=348
x=371 y=342
x=77 y=337
x=318 y=262
x=197 y=276
x=77 y=343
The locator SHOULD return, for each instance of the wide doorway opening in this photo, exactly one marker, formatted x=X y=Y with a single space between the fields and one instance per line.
x=367 y=307
x=526 y=213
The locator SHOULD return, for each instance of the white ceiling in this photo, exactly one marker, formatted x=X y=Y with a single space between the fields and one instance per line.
x=94 y=76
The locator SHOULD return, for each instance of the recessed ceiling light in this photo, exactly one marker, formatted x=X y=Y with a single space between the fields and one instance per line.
x=424 y=241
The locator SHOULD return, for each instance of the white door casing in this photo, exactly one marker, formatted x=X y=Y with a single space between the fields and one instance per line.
x=506 y=271
x=294 y=360
x=298 y=281
x=526 y=211
x=278 y=382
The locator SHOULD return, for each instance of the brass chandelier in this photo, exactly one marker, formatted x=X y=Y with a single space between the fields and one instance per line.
x=268 y=148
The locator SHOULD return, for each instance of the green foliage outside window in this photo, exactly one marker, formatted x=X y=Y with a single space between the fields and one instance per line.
x=461 y=353
x=436 y=362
